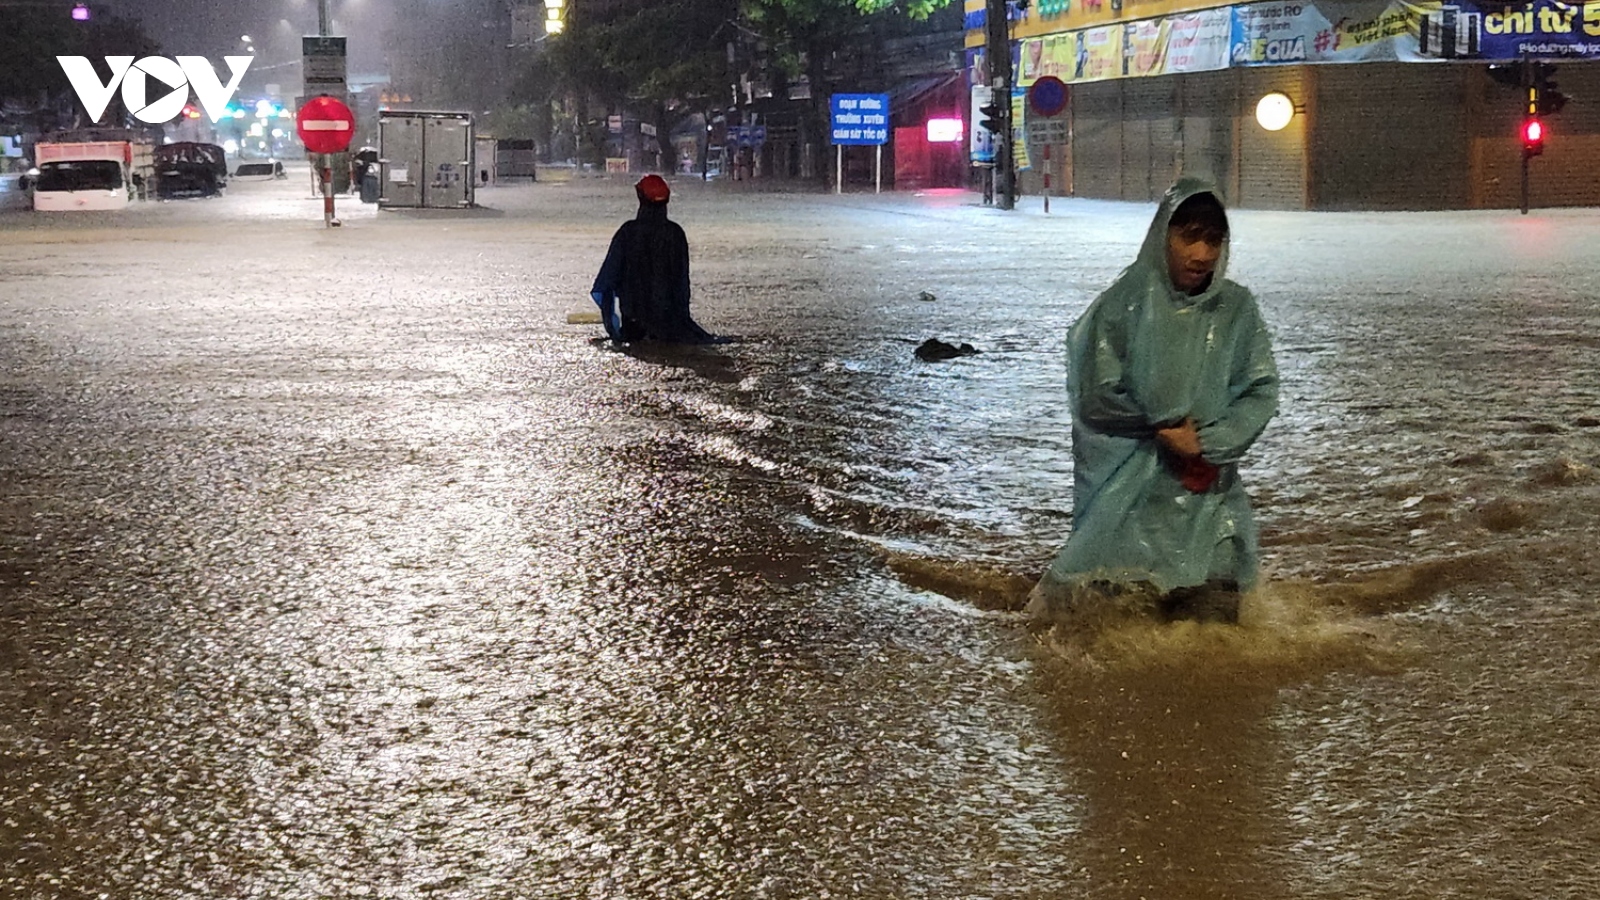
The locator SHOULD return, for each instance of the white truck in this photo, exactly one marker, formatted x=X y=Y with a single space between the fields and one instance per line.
x=90 y=175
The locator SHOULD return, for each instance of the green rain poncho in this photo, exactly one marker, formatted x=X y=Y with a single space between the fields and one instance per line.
x=1145 y=355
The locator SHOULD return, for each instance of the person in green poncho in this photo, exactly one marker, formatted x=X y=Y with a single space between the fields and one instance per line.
x=1170 y=379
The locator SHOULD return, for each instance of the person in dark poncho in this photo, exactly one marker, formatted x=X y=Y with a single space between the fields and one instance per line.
x=643 y=286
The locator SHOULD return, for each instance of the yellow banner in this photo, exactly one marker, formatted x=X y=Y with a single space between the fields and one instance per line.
x=1086 y=13
x=1019 y=143
x=1147 y=47
x=1099 y=54
x=1054 y=55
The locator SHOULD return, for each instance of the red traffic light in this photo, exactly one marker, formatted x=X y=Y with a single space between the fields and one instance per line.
x=1532 y=137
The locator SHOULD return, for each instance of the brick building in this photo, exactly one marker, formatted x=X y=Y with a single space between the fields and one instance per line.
x=1386 y=119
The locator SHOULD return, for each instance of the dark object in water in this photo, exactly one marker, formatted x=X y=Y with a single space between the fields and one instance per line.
x=934 y=350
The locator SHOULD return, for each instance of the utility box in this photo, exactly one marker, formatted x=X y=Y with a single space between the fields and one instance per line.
x=425 y=160
x=485 y=165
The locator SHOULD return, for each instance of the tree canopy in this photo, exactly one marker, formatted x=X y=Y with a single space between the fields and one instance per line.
x=33 y=36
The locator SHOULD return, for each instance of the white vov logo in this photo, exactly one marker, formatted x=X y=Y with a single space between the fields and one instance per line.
x=180 y=75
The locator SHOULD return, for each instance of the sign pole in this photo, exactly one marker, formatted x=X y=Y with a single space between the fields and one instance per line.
x=326 y=126
x=1047 y=178
x=1047 y=98
x=877 y=169
x=328 y=220
x=838 y=168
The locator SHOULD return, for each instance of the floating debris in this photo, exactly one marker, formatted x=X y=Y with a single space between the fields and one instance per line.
x=935 y=350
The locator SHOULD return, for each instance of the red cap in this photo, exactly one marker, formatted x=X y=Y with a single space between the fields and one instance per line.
x=653 y=188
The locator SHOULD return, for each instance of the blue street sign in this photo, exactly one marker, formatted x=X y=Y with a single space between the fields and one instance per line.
x=859 y=119
x=748 y=135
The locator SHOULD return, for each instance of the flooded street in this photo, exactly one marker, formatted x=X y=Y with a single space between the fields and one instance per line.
x=336 y=563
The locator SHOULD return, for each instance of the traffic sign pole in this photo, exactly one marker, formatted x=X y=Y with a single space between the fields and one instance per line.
x=1047 y=98
x=328 y=221
x=326 y=126
x=1047 y=179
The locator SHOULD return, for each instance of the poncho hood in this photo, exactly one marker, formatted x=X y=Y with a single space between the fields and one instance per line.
x=1153 y=252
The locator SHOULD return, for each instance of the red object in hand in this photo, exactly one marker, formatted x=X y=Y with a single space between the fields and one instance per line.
x=1198 y=475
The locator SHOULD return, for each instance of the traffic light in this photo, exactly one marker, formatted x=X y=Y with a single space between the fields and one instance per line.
x=994 y=116
x=1532 y=137
x=1508 y=74
x=1549 y=100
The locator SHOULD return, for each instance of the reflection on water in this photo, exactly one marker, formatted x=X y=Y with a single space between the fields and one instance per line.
x=360 y=582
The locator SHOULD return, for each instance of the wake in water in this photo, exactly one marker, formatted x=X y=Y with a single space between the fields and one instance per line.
x=1284 y=626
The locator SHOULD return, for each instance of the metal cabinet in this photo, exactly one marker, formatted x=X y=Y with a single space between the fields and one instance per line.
x=425 y=159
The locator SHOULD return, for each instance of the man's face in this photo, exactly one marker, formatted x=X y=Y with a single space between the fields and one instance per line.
x=1190 y=262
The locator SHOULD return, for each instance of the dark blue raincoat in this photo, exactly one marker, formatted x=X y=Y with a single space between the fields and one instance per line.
x=643 y=286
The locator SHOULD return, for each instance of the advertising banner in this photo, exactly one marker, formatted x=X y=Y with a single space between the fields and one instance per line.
x=1099 y=54
x=1266 y=34
x=1332 y=31
x=1198 y=42
x=1054 y=55
x=1019 y=134
x=1543 y=29
x=981 y=149
x=1146 y=48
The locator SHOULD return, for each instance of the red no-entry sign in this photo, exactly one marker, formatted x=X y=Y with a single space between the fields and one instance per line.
x=325 y=125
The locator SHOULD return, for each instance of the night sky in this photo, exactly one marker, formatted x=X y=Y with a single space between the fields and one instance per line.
x=213 y=28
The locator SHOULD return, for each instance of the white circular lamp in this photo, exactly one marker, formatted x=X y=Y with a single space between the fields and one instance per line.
x=1275 y=111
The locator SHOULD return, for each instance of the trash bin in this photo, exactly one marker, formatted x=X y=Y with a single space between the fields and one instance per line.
x=370 y=186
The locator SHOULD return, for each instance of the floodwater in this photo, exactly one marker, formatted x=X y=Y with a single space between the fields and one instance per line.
x=336 y=563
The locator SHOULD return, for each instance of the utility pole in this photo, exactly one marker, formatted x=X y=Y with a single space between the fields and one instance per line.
x=997 y=26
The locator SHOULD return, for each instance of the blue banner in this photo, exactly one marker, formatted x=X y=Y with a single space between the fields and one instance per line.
x=859 y=119
x=1543 y=29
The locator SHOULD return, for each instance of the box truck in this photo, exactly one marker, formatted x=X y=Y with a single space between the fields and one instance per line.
x=89 y=175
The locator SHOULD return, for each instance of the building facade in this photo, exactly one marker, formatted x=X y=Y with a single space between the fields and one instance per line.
x=1395 y=105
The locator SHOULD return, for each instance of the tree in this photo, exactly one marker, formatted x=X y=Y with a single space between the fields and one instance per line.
x=656 y=59
x=803 y=35
x=34 y=36
x=913 y=9
x=659 y=58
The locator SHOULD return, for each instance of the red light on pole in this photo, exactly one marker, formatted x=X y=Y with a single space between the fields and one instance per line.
x=1532 y=137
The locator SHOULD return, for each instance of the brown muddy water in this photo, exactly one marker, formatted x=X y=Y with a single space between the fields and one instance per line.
x=337 y=564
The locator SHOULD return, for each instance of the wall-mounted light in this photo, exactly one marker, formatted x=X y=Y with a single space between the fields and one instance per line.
x=1275 y=111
